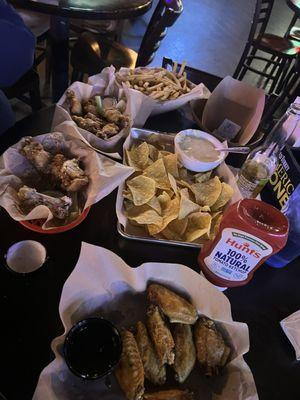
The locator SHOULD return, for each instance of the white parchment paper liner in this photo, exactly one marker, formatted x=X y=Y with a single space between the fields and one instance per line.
x=140 y=106
x=103 y=284
x=291 y=327
x=104 y=86
x=223 y=171
x=104 y=174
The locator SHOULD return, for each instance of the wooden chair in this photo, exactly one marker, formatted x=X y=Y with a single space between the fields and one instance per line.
x=92 y=53
x=283 y=50
x=288 y=93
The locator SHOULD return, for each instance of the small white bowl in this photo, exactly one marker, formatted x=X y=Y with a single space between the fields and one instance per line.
x=192 y=163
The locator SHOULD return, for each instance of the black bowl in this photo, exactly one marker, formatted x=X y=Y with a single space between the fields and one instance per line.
x=92 y=348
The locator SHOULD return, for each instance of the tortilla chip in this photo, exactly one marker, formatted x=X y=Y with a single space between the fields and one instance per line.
x=207 y=193
x=138 y=157
x=155 y=204
x=142 y=189
x=225 y=196
x=170 y=210
x=198 y=225
x=144 y=215
x=187 y=206
x=183 y=173
x=185 y=184
x=202 y=176
x=154 y=153
x=158 y=173
x=170 y=162
x=173 y=183
x=215 y=224
x=127 y=194
x=175 y=230
x=204 y=208
x=164 y=153
x=164 y=199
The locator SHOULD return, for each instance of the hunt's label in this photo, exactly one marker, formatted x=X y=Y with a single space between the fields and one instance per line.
x=236 y=254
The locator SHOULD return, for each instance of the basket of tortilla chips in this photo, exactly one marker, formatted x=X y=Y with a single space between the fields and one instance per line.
x=163 y=201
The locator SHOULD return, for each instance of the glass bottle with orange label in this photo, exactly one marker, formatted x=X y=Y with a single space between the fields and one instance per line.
x=250 y=232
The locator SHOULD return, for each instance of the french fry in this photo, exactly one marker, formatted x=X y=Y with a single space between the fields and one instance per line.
x=158 y=83
x=175 y=65
x=183 y=65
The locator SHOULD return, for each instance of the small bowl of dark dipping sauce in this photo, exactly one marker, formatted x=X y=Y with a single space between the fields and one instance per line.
x=92 y=348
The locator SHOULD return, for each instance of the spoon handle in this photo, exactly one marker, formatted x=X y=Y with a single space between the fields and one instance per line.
x=241 y=150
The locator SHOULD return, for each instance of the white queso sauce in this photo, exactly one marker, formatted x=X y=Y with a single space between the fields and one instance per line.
x=199 y=148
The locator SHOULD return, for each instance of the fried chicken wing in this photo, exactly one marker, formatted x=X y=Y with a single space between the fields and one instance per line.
x=155 y=372
x=109 y=130
x=35 y=153
x=87 y=124
x=212 y=352
x=160 y=335
x=173 y=394
x=30 y=198
x=129 y=371
x=90 y=106
x=71 y=177
x=185 y=352
x=176 y=308
x=115 y=116
x=74 y=103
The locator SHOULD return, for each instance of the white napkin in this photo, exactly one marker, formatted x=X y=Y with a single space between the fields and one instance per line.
x=291 y=327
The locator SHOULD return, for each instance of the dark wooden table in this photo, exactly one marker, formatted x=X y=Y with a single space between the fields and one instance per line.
x=295 y=6
x=61 y=10
x=29 y=305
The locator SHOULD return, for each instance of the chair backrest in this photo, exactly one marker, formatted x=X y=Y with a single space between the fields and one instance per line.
x=261 y=18
x=164 y=16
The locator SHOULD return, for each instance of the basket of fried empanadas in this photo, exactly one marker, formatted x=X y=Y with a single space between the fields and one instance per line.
x=179 y=339
x=175 y=338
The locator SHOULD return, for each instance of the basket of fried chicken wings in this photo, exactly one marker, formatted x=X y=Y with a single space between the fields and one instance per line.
x=49 y=182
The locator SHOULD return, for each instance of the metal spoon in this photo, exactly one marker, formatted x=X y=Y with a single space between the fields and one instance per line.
x=241 y=149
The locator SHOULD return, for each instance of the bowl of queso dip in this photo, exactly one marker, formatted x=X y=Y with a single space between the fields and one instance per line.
x=198 y=150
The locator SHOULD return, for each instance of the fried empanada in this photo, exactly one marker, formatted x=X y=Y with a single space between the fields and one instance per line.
x=176 y=308
x=173 y=394
x=160 y=335
x=185 y=352
x=154 y=371
x=212 y=352
x=130 y=371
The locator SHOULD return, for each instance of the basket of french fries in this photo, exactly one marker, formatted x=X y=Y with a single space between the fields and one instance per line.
x=151 y=91
x=164 y=202
x=97 y=110
x=49 y=182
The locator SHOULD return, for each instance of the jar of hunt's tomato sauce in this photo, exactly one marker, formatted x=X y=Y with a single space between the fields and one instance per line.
x=250 y=232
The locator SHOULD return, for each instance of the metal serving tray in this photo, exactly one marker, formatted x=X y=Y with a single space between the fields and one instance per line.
x=167 y=141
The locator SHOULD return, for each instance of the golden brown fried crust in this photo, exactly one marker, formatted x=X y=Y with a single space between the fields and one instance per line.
x=71 y=177
x=160 y=335
x=155 y=372
x=185 y=352
x=35 y=153
x=103 y=123
x=74 y=103
x=212 y=352
x=176 y=308
x=130 y=371
x=173 y=394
